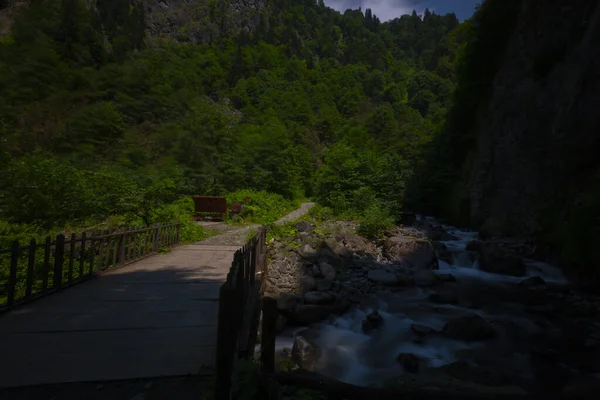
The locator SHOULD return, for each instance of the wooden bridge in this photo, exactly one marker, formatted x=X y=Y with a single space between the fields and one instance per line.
x=154 y=317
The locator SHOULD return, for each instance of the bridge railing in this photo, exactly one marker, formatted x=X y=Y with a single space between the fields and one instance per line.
x=34 y=270
x=239 y=311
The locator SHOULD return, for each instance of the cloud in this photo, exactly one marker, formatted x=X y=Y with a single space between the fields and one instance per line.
x=390 y=9
x=384 y=9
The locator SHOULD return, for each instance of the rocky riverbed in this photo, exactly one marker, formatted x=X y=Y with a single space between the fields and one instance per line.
x=433 y=306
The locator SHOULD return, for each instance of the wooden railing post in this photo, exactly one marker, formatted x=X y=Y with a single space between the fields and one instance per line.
x=225 y=345
x=46 y=266
x=269 y=331
x=82 y=255
x=59 y=258
x=12 y=274
x=71 y=256
x=30 y=266
x=156 y=234
x=123 y=245
x=178 y=238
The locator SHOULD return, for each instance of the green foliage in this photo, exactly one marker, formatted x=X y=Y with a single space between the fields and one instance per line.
x=287 y=230
x=374 y=221
x=261 y=206
x=94 y=125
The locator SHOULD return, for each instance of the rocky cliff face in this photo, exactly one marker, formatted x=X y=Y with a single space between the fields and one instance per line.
x=200 y=21
x=538 y=142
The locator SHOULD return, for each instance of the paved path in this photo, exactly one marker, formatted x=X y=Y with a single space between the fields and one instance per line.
x=156 y=317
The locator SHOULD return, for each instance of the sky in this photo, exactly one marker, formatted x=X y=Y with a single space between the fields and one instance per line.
x=390 y=9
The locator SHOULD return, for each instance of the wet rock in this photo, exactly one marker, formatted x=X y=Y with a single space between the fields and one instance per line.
x=383 y=277
x=288 y=302
x=532 y=282
x=444 y=298
x=417 y=252
x=324 y=285
x=328 y=271
x=308 y=283
x=316 y=271
x=409 y=362
x=408 y=218
x=426 y=278
x=372 y=322
x=438 y=233
x=474 y=245
x=322 y=298
x=447 y=277
x=542 y=310
x=304 y=353
x=439 y=246
x=468 y=327
x=422 y=330
x=340 y=306
x=309 y=313
x=493 y=259
x=445 y=256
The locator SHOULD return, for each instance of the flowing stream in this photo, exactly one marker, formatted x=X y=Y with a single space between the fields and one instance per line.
x=350 y=355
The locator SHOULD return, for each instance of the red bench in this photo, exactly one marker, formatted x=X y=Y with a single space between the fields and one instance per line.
x=210 y=208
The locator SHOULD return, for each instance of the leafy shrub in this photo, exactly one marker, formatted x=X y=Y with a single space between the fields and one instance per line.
x=374 y=222
x=181 y=210
x=260 y=206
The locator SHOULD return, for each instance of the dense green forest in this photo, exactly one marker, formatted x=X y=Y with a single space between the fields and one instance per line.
x=96 y=124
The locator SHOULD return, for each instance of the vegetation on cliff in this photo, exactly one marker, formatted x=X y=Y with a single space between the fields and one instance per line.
x=311 y=103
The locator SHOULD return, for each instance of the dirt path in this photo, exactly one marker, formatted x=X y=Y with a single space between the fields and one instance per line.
x=232 y=235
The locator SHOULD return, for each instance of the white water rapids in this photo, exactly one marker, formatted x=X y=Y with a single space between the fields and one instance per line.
x=349 y=355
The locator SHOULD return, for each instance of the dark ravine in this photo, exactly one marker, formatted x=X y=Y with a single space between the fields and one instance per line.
x=393 y=317
x=533 y=171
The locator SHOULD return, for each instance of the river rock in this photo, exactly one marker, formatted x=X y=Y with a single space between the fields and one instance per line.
x=324 y=285
x=409 y=362
x=468 y=327
x=288 y=302
x=422 y=330
x=417 y=252
x=323 y=298
x=315 y=271
x=474 y=245
x=332 y=245
x=305 y=227
x=383 y=277
x=304 y=353
x=426 y=278
x=325 y=255
x=308 y=283
x=445 y=256
x=356 y=244
x=466 y=372
x=438 y=233
x=439 y=246
x=309 y=313
x=327 y=270
x=494 y=259
x=372 y=322
x=533 y=282
x=586 y=386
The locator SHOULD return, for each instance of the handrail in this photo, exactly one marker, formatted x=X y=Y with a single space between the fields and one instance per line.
x=38 y=269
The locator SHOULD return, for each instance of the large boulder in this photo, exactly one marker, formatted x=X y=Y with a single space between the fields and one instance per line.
x=468 y=327
x=285 y=276
x=314 y=297
x=383 y=277
x=532 y=282
x=493 y=259
x=304 y=352
x=356 y=244
x=410 y=362
x=327 y=271
x=305 y=227
x=416 y=252
x=309 y=313
x=336 y=248
x=422 y=330
x=438 y=233
x=288 y=302
x=372 y=322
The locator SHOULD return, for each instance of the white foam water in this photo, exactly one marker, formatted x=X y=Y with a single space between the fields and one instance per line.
x=350 y=355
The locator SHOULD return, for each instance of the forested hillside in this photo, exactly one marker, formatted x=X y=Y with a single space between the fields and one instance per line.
x=101 y=116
